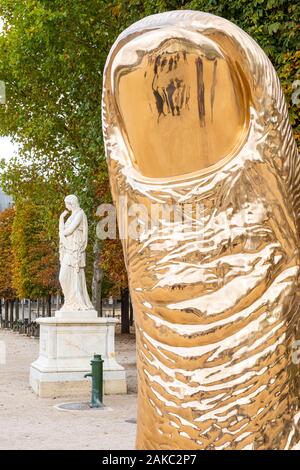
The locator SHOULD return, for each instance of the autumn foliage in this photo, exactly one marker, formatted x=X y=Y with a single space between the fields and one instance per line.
x=52 y=55
x=7 y=291
x=35 y=261
x=112 y=264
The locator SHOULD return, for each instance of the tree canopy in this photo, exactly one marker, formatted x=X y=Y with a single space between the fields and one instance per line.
x=6 y=259
x=52 y=54
x=35 y=261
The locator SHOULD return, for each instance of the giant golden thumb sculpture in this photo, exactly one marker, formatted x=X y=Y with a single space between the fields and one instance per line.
x=193 y=114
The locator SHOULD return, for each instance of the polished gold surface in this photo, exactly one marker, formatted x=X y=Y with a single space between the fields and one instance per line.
x=171 y=98
x=193 y=113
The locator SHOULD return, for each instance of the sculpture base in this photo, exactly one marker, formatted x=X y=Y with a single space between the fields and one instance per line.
x=67 y=346
x=81 y=314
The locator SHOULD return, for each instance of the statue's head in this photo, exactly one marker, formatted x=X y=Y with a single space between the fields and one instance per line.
x=71 y=202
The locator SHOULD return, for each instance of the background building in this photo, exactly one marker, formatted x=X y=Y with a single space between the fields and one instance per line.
x=5 y=201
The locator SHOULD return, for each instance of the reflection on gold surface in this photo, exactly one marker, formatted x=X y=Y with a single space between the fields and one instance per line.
x=193 y=113
x=171 y=98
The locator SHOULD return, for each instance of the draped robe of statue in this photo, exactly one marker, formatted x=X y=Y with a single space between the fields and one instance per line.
x=193 y=112
x=73 y=242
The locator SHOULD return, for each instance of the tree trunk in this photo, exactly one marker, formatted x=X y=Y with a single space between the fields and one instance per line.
x=17 y=309
x=29 y=311
x=6 y=313
x=49 y=305
x=125 y=323
x=11 y=313
x=97 y=279
x=23 y=310
x=43 y=306
x=131 y=317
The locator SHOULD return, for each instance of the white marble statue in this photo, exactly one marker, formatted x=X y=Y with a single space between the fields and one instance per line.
x=69 y=340
x=73 y=236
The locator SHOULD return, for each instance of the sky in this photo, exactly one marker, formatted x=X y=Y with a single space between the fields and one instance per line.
x=7 y=148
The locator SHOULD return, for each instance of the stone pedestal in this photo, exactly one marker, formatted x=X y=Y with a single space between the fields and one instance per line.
x=68 y=342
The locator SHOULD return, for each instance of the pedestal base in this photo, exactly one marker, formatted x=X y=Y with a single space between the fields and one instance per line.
x=67 y=346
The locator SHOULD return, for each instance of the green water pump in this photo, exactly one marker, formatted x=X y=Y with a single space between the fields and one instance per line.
x=97 y=381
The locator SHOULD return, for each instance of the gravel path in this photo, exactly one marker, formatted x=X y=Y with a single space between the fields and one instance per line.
x=30 y=422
